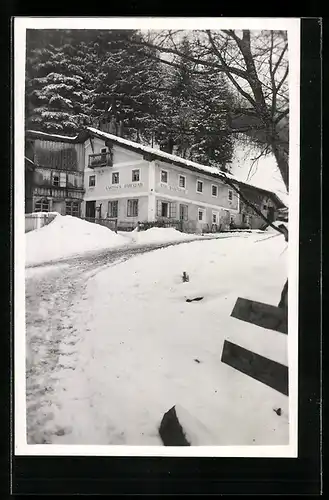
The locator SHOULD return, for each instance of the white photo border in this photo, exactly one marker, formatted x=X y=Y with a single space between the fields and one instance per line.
x=21 y=24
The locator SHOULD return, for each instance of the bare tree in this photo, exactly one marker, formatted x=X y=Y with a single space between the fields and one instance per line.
x=256 y=65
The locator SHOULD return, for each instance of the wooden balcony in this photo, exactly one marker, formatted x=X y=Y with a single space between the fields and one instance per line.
x=100 y=160
x=58 y=191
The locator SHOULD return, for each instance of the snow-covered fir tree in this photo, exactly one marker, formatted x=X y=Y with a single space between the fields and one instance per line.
x=194 y=113
x=74 y=77
x=127 y=83
x=58 y=90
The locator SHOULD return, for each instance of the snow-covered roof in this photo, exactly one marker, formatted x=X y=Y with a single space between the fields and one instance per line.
x=51 y=137
x=157 y=153
x=162 y=155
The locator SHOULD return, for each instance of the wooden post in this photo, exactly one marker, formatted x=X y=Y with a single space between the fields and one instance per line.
x=283 y=304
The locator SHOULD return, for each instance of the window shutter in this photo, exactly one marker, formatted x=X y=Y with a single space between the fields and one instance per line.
x=158 y=208
x=62 y=179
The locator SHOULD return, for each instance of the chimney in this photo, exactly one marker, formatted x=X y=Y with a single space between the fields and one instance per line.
x=110 y=121
x=167 y=144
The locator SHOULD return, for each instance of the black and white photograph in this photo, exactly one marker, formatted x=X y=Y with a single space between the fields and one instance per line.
x=156 y=210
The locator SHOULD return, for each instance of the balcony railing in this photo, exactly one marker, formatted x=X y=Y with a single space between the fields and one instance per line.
x=100 y=160
x=58 y=191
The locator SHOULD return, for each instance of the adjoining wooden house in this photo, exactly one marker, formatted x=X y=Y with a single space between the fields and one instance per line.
x=267 y=202
x=101 y=175
x=29 y=174
x=59 y=163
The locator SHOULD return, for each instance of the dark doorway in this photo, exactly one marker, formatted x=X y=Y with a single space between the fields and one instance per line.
x=90 y=209
x=164 y=209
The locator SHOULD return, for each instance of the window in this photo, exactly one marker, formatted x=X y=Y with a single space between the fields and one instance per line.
x=42 y=205
x=55 y=179
x=113 y=209
x=183 y=212
x=215 y=217
x=201 y=214
x=230 y=195
x=265 y=207
x=166 y=209
x=199 y=186
x=92 y=180
x=115 y=178
x=214 y=190
x=135 y=175
x=172 y=210
x=75 y=180
x=46 y=175
x=72 y=208
x=103 y=150
x=132 y=208
x=62 y=179
x=182 y=181
x=164 y=176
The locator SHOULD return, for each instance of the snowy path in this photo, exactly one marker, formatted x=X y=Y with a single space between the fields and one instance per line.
x=54 y=292
x=115 y=346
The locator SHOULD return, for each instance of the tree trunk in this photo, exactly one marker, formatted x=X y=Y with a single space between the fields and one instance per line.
x=282 y=162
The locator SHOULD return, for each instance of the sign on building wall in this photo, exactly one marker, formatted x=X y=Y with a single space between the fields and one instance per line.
x=177 y=189
x=115 y=187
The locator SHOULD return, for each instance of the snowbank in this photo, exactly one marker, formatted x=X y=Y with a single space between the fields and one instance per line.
x=66 y=236
x=142 y=348
x=160 y=235
x=47 y=214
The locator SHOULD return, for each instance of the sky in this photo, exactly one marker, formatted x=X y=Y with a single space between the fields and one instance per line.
x=264 y=174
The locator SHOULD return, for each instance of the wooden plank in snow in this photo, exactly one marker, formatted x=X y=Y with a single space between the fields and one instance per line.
x=260 y=314
x=264 y=370
x=171 y=431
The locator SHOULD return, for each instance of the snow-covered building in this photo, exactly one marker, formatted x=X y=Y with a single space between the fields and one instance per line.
x=58 y=170
x=134 y=183
x=29 y=174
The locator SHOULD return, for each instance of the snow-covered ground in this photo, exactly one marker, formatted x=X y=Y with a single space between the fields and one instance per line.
x=137 y=348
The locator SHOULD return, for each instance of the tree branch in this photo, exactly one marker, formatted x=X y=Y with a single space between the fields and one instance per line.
x=228 y=71
x=264 y=152
x=200 y=62
x=173 y=64
x=274 y=90
x=281 y=115
x=280 y=59
x=282 y=80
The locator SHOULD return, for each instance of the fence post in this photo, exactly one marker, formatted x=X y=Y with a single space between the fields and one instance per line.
x=116 y=225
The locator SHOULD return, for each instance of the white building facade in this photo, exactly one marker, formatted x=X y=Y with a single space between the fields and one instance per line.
x=135 y=184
